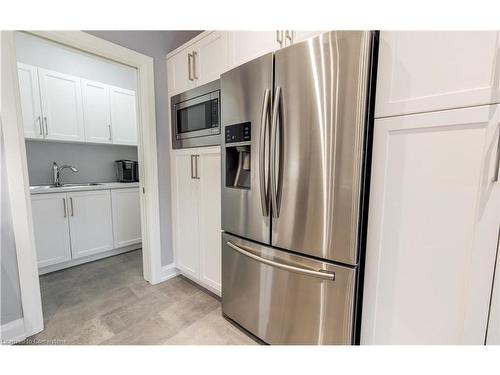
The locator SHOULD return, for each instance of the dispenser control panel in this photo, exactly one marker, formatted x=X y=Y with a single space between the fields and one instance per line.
x=238 y=133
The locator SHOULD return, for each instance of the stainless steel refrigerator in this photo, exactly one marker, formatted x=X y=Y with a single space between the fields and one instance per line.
x=294 y=167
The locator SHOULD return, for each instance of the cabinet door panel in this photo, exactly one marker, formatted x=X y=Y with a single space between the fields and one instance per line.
x=248 y=45
x=30 y=100
x=96 y=112
x=61 y=106
x=126 y=216
x=433 y=222
x=50 y=224
x=180 y=78
x=493 y=336
x=185 y=222
x=123 y=116
x=421 y=71
x=90 y=222
x=210 y=218
x=212 y=57
x=301 y=35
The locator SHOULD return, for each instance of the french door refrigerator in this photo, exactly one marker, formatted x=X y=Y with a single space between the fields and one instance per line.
x=295 y=145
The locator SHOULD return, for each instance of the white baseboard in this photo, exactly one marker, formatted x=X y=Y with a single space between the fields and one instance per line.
x=167 y=272
x=12 y=332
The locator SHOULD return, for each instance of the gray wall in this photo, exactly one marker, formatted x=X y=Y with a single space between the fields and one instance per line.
x=157 y=44
x=95 y=163
x=40 y=52
x=11 y=308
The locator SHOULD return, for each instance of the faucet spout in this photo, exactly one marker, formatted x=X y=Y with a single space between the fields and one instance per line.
x=56 y=170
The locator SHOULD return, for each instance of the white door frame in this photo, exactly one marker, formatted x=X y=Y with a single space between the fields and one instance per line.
x=17 y=170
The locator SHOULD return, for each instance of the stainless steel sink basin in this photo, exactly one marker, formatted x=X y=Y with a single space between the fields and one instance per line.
x=43 y=187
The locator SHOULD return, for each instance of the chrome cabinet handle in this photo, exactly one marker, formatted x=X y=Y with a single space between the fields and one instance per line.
x=322 y=274
x=110 y=136
x=64 y=206
x=46 y=127
x=288 y=35
x=71 y=205
x=39 y=119
x=192 y=169
x=189 y=67
x=497 y=163
x=279 y=37
x=195 y=54
x=262 y=150
x=196 y=175
x=274 y=131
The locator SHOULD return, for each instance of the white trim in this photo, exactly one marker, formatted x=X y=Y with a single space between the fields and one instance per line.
x=87 y=259
x=12 y=332
x=18 y=184
x=190 y=42
x=168 y=272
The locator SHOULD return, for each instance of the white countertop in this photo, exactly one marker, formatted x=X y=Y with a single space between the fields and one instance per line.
x=44 y=189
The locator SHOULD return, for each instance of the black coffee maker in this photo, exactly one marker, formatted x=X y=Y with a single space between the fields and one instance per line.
x=127 y=170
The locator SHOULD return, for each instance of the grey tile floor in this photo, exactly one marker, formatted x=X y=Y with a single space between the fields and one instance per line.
x=108 y=302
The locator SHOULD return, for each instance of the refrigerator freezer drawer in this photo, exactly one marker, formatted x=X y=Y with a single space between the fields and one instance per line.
x=284 y=298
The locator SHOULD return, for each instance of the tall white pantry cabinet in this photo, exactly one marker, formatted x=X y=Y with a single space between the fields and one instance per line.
x=434 y=210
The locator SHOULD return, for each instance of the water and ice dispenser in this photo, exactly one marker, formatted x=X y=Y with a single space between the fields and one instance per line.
x=238 y=155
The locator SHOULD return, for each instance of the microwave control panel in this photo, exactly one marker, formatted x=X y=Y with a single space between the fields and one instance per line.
x=238 y=133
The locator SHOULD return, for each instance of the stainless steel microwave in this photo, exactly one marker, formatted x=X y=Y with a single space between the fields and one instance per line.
x=196 y=117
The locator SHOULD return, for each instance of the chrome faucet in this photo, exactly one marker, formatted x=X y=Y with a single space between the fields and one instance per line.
x=56 y=170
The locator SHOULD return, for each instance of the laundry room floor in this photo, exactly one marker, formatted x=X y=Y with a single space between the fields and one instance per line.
x=108 y=302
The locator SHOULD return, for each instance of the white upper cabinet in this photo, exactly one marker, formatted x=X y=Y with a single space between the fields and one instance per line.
x=248 y=45
x=50 y=224
x=126 y=216
x=61 y=96
x=90 y=222
x=30 y=100
x=432 y=229
x=211 y=57
x=421 y=71
x=180 y=72
x=301 y=35
x=96 y=112
x=123 y=116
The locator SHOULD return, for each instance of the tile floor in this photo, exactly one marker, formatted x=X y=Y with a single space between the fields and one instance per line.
x=108 y=302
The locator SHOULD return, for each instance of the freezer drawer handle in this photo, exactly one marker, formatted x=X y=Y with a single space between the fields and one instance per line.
x=322 y=274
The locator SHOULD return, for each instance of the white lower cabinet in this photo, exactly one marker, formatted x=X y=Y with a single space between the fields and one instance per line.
x=74 y=225
x=126 y=211
x=196 y=214
x=90 y=222
x=51 y=227
x=433 y=228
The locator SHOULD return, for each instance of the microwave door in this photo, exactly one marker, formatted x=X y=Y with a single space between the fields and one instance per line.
x=246 y=103
x=318 y=130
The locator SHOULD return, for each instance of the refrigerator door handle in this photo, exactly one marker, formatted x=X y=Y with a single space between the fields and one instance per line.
x=262 y=150
x=274 y=131
x=322 y=274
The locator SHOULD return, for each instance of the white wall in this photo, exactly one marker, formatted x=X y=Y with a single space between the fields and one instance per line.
x=40 y=52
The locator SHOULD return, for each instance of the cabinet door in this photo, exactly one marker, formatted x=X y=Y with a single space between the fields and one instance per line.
x=180 y=72
x=96 y=112
x=185 y=221
x=61 y=106
x=123 y=116
x=421 y=71
x=209 y=168
x=211 y=57
x=90 y=222
x=30 y=101
x=50 y=224
x=433 y=225
x=126 y=217
x=493 y=335
x=248 y=45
